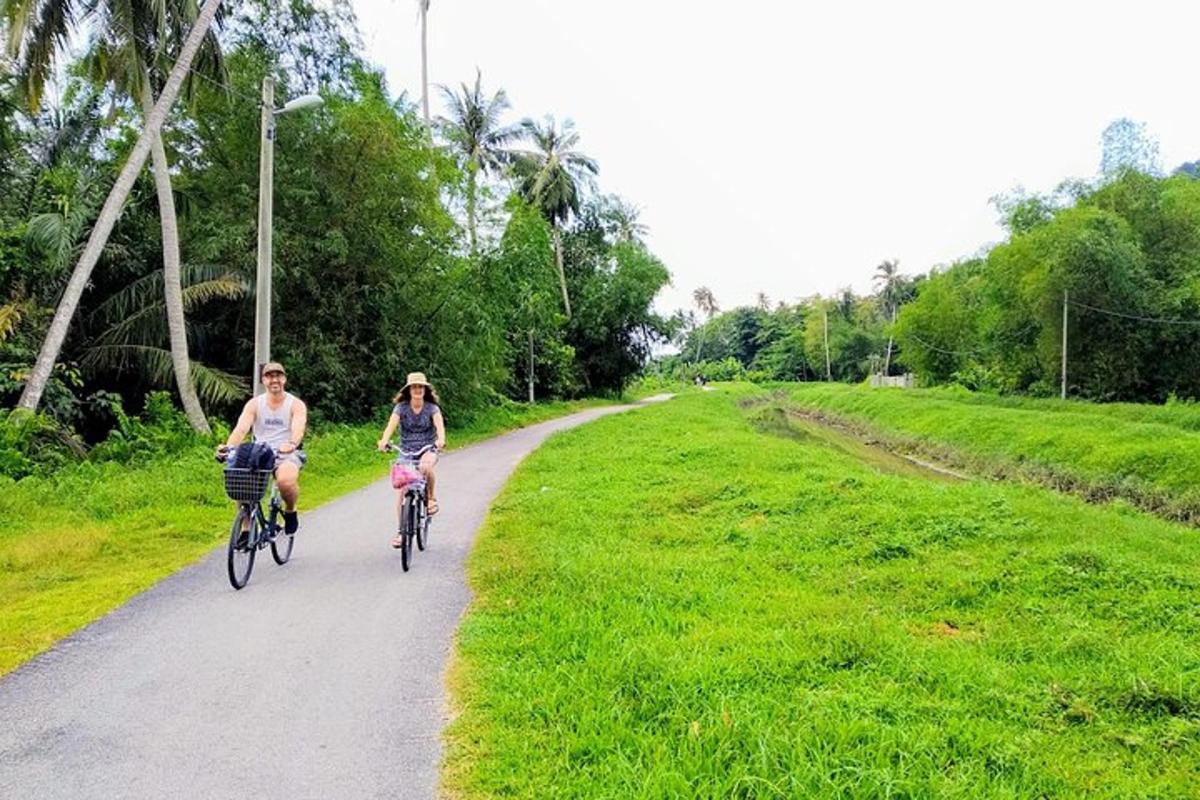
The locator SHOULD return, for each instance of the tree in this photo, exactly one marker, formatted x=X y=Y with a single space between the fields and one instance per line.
x=707 y=305
x=614 y=327
x=131 y=54
x=475 y=132
x=888 y=281
x=423 y=7
x=112 y=206
x=1125 y=145
x=552 y=178
x=625 y=218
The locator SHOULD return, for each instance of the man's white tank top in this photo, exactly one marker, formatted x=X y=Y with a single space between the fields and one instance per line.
x=273 y=426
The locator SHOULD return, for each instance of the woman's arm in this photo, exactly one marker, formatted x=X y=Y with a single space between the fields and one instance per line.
x=388 y=430
x=440 y=443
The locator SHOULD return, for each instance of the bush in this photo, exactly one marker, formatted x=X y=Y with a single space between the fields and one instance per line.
x=161 y=430
x=35 y=444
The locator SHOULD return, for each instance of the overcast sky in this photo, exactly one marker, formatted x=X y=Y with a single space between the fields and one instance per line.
x=789 y=147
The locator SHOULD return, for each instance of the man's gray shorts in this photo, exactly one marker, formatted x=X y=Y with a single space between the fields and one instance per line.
x=297 y=457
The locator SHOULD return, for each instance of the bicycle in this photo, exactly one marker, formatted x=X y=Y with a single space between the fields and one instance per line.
x=247 y=487
x=414 y=513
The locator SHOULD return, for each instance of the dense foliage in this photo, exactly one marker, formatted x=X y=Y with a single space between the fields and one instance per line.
x=1120 y=252
x=1127 y=255
x=375 y=271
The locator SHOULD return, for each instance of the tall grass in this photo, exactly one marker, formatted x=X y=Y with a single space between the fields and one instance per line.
x=1148 y=455
x=718 y=612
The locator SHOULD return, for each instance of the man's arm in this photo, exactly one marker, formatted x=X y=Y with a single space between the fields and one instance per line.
x=299 y=424
x=244 y=424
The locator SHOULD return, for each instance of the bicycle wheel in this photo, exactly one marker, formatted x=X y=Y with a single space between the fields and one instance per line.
x=422 y=525
x=242 y=547
x=407 y=521
x=282 y=542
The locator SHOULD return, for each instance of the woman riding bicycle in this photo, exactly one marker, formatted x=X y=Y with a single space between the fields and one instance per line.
x=419 y=417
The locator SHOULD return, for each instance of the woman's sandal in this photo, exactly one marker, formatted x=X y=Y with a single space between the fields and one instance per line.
x=433 y=508
x=398 y=542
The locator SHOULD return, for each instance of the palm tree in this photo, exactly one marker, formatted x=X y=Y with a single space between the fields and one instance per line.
x=552 y=177
x=762 y=302
x=131 y=331
x=707 y=304
x=889 y=280
x=423 y=5
x=474 y=129
x=34 y=44
x=129 y=53
x=626 y=219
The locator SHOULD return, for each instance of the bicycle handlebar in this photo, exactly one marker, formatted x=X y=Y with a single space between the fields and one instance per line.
x=391 y=448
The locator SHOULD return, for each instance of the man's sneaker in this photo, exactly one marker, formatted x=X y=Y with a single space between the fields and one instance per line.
x=291 y=522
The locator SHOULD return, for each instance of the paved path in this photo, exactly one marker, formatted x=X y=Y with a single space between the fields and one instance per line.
x=321 y=679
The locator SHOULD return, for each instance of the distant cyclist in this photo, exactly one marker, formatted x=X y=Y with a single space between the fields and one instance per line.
x=419 y=416
x=277 y=419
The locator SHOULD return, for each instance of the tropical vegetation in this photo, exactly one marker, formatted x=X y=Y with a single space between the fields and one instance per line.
x=476 y=248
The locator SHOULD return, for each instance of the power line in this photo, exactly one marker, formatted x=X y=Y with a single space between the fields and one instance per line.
x=1010 y=336
x=937 y=349
x=1136 y=317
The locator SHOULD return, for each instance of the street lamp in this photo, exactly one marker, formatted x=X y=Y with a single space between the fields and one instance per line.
x=266 y=188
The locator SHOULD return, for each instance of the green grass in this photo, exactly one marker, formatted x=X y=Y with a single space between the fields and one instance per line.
x=723 y=612
x=76 y=546
x=1147 y=455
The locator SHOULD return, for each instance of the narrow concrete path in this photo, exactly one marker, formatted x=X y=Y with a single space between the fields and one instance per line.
x=323 y=678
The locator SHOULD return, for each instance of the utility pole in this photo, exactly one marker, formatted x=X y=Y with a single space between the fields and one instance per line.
x=828 y=371
x=1064 y=347
x=266 y=211
x=424 y=5
x=266 y=189
x=531 y=365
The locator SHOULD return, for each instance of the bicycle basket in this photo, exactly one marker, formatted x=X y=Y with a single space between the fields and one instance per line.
x=405 y=473
x=246 y=485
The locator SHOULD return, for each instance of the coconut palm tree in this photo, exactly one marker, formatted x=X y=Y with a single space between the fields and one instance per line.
x=625 y=217
x=34 y=39
x=707 y=304
x=552 y=178
x=475 y=132
x=129 y=51
x=132 y=331
x=423 y=6
x=889 y=280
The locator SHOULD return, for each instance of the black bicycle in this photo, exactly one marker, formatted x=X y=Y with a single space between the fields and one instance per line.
x=414 y=513
x=252 y=529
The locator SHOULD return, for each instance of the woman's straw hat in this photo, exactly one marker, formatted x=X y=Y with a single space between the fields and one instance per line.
x=415 y=378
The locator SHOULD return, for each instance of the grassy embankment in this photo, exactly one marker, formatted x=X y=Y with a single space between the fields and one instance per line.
x=75 y=546
x=733 y=608
x=1147 y=455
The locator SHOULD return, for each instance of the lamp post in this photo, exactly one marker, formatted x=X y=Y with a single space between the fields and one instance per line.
x=266 y=208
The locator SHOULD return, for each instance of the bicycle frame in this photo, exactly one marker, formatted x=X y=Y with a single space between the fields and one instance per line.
x=265 y=531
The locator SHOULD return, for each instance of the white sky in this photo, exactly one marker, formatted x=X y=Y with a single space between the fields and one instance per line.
x=789 y=147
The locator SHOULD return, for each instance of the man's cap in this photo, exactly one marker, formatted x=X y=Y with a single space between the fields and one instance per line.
x=273 y=366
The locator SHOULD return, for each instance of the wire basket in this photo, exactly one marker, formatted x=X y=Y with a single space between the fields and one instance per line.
x=406 y=474
x=246 y=485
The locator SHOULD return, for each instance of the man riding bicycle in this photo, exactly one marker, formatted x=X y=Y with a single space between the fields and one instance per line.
x=277 y=419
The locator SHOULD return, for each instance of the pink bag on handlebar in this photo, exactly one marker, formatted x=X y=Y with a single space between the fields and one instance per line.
x=403 y=474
